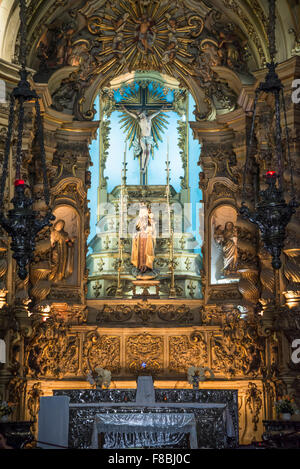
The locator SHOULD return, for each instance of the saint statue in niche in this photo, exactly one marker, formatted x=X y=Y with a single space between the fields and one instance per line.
x=62 y=262
x=226 y=239
x=143 y=245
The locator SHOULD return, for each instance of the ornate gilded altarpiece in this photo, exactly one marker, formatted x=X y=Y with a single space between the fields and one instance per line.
x=75 y=49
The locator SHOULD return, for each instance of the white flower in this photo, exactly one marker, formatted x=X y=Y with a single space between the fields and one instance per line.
x=90 y=378
x=103 y=377
x=198 y=372
x=100 y=377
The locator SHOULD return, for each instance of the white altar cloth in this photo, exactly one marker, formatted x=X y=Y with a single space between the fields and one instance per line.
x=137 y=423
x=99 y=422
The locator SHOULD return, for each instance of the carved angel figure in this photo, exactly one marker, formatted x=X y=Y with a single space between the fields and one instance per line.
x=146 y=33
x=170 y=53
x=119 y=26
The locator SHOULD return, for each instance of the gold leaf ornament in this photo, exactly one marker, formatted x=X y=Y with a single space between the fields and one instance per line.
x=198 y=24
x=94 y=24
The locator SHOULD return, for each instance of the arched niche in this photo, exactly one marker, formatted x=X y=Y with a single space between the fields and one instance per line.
x=65 y=246
x=223 y=245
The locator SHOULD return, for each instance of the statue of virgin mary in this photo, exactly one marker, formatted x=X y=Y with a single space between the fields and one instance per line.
x=143 y=244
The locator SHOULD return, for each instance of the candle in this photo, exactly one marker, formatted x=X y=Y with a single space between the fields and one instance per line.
x=123 y=172
x=125 y=151
x=19 y=182
x=168 y=173
x=168 y=152
x=270 y=173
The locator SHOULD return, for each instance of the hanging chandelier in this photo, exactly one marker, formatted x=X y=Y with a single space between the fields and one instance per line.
x=22 y=223
x=271 y=212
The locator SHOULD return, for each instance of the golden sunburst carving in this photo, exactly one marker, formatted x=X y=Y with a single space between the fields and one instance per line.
x=134 y=37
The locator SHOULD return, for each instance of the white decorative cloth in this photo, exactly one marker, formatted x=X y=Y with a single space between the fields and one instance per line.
x=144 y=429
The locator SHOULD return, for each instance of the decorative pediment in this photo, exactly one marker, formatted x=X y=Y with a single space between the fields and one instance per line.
x=70 y=188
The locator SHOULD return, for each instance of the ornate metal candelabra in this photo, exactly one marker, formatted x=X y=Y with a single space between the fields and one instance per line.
x=172 y=291
x=119 y=291
x=272 y=213
x=22 y=223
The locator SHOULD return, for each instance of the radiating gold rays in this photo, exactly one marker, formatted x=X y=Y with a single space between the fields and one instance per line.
x=122 y=49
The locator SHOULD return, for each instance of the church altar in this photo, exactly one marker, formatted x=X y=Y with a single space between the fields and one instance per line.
x=146 y=417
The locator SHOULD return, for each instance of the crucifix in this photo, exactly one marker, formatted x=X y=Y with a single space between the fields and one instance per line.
x=139 y=117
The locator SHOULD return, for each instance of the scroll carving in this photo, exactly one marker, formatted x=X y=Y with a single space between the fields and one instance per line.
x=144 y=348
x=145 y=313
x=101 y=351
x=185 y=352
x=239 y=350
x=50 y=351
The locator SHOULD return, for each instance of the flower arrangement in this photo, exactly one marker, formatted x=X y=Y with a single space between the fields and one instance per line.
x=285 y=405
x=5 y=408
x=197 y=373
x=99 y=377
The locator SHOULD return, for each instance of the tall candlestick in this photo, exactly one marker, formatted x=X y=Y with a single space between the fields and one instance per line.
x=120 y=234
x=168 y=162
x=172 y=291
x=168 y=188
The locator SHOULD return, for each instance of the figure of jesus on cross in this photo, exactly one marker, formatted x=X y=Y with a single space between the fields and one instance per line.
x=143 y=144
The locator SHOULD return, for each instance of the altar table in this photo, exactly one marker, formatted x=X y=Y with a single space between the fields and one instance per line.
x=209 y=417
